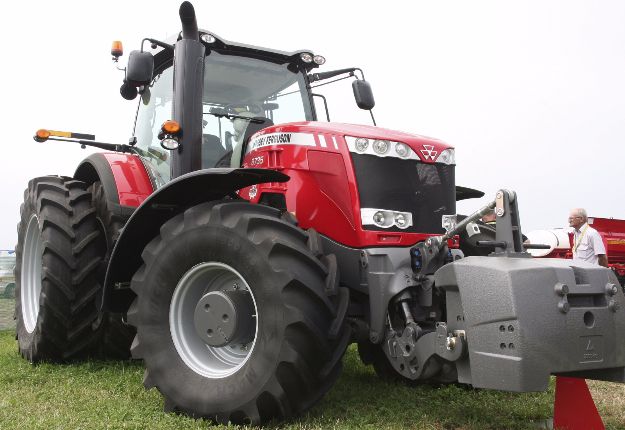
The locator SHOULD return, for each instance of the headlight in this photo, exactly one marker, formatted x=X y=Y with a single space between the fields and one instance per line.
x=380 y=146
x=319 y=59
x=400 y=220
x=306 y=57
x=379 y=219
x=362 y=144
x=447 y=156
x=208 y=38
x=385 y=218
x=170 y=143
x=402 y=150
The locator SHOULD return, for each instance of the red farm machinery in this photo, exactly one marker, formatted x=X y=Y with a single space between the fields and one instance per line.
x=560 y=242
x=237 y=245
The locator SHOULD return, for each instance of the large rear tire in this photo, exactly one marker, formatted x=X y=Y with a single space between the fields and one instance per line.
x=281 y=360
x=116 y=335
x=57 y=259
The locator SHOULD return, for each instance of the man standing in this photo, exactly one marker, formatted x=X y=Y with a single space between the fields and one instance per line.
x=587 y=243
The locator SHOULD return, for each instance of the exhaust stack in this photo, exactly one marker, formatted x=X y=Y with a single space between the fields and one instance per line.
x=188 y=90
x=189 y=22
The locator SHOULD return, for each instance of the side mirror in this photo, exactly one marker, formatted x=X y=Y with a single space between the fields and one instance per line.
x=363 y=94
x=140 y=68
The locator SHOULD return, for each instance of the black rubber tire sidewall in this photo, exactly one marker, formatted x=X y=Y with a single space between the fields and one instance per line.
x=301 y=335
x=218 y=245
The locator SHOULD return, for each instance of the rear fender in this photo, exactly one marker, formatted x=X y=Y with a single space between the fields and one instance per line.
x=170 y=200
x=124 y=178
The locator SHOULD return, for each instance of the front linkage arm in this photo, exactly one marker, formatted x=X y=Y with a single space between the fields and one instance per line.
x=410 y=350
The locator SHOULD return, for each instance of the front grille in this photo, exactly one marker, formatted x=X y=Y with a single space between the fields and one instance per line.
x=428 y=191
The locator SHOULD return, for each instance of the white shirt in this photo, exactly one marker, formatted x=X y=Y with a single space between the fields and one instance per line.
x=587 y=244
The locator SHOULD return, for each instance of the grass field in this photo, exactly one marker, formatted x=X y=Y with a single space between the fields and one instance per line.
x=110 y=395
x=6 y=313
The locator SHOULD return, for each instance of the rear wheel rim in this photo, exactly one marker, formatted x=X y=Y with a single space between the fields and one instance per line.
x=205 y=360
x=31 y=274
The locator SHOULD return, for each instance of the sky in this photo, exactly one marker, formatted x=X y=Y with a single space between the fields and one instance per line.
x=531 y=94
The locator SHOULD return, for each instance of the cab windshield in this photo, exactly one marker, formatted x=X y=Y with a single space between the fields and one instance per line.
x=241 y=96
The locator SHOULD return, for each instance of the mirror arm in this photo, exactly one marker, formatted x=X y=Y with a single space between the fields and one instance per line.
x=330 y=82
x=156 y=43
x=372 y=118
x=326 y=75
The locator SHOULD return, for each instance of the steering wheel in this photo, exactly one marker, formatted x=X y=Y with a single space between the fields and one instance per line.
x=224 y=161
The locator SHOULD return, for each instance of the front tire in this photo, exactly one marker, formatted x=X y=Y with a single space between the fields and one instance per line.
x=57 y=259
x=280 y=361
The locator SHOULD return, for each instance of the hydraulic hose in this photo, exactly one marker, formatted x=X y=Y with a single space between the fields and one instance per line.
x=462 y=224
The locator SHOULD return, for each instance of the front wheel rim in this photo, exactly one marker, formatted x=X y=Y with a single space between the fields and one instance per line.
x=203 y=359
x=31 y=274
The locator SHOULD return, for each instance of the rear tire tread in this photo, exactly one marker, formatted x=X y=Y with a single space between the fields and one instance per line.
x=67 y=306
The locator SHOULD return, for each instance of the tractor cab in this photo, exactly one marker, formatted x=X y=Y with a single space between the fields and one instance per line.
x=244 y=90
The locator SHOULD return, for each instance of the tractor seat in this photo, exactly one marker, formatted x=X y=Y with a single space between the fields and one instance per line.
x=242 y=140
x=212 y=150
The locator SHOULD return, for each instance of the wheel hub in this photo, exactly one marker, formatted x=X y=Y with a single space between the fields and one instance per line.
x=31 y=274
x=225 y=317
x=232 y=339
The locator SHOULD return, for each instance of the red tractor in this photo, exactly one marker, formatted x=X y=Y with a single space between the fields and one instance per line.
x=248 y=244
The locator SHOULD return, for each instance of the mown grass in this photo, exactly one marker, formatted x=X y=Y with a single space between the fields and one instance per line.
x=7 y=307
x=99 y=394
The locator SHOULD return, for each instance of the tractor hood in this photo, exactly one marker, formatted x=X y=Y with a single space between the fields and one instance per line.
x=425 y=147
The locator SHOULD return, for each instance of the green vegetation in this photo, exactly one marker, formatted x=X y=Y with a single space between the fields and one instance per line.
x=7 y=307
x=99 y=394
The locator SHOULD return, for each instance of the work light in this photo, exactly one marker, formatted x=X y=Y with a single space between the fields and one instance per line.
x=380 y=146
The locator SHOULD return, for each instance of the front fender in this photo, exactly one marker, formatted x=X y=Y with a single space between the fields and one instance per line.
x=170 y=200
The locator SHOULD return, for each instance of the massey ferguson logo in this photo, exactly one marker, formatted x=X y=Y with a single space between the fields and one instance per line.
x=428 y=152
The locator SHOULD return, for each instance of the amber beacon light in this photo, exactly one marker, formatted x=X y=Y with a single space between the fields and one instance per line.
x=42 y=135
x=117 y=50
x=169 y=135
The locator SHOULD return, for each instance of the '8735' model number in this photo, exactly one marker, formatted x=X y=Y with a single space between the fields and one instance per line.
x=257 y=161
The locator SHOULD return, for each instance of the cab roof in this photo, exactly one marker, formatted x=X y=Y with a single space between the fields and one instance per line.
x=163 y=57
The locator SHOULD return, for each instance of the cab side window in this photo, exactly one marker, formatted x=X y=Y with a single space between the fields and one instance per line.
x=155 y=107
